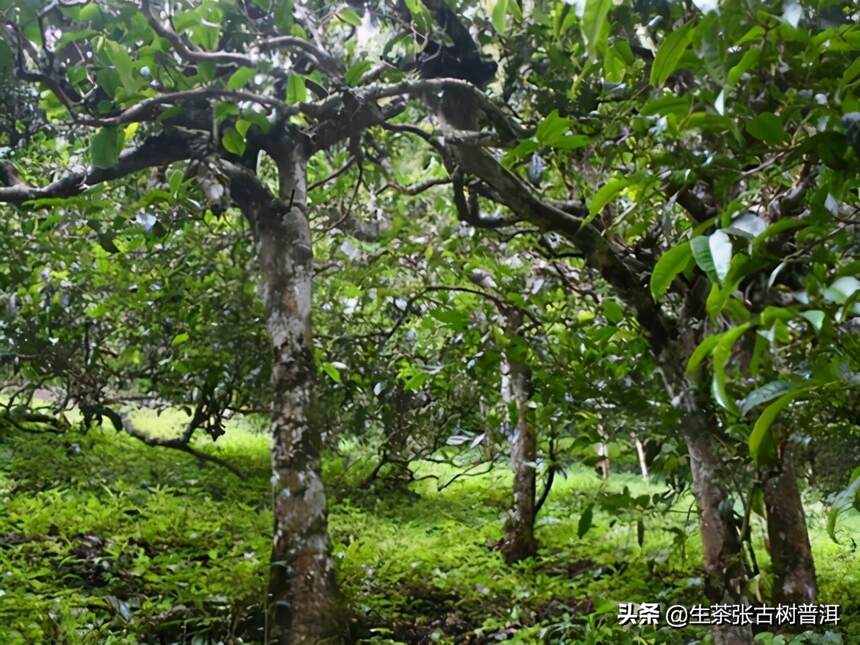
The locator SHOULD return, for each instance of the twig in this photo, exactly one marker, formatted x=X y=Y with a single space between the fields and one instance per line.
x=415 y=189
x=337 y=173
x=187 y=52
x=324 y=61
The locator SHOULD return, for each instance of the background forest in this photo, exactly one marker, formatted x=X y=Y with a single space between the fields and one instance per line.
x=427 y=320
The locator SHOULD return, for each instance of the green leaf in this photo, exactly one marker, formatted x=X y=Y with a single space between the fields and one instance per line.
x=851 y=73
x=552 y=129
x=750 y=58
x=454 y=318
x=595 y=26
x=720 y=247
x=332 y=371
x=777 y=227
x=296 y=90
x=765 y=393
x=755 y=33
x=224 y=110
x=283 y=14
x=832 y=517
x=233 y=141
x=844 y=500
x=670 y=264
x=701 y=248
x=614 y=66
x=180 y=339
x=815 y=318
x=420 y=16
x=767 y=127
x=702 y=351
x=349 y=16
x=585 y=520
x=119 y=58
x=722 y=354
x=499 y=15
x=106 y=241
x=841 y=289
x=760 y=439
x=523 y=149
x=240 y=77
x=669 y=104
x=7 y=58
x=748 y=225
x=606 y=194
x=571 y=142
x=355 y=72
x=669 y=54
x=720 y=295
x=242 y=126
x=613 y=311
x=106 y=146
x=415 y=381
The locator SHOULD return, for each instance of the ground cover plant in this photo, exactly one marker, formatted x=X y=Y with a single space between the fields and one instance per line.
x=106 y=541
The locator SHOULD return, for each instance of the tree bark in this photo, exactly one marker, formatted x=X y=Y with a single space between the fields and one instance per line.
x=396 y=425
x=722 y=552
x=304 y=606
x=790 y=550
x=725 y=571
x=640 y=453
x=603 y=451
x=519 y=541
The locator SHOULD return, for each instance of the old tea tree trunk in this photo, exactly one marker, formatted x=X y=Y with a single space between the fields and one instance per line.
x=303 y=602
x=725 y=569
x=790 y=550
x=519 y=541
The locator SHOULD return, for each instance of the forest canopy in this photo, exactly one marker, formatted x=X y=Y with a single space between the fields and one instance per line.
x=557 y=291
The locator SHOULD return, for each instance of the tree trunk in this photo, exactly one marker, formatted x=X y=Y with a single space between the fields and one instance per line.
x=519 y=542
x=603 y=451
x=790 y=551
x=395 y=452
x=725 y=571
x=640 y=453
x=303 y=603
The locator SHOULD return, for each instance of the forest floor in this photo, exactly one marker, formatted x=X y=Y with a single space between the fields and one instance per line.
x=106 y=540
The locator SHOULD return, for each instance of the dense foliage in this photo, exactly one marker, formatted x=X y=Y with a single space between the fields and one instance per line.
x=530 y=234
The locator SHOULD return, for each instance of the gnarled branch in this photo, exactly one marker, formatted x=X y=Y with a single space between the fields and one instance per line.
x=160 y=150
x=122 y=423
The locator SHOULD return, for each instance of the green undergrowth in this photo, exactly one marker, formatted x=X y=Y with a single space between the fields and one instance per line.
x=106 y=540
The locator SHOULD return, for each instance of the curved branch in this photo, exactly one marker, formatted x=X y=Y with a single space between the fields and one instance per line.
x=337 y=173
x=596 y=249
x=163 y=149
x=149 y=109
x=122 y=423
x=186 y=52
x=500 y=304
x=324 y=61
x=415 y=189
x=437 y=85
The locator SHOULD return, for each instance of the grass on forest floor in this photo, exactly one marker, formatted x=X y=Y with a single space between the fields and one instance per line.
x=106 y=540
